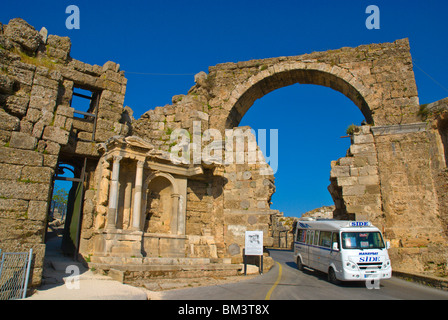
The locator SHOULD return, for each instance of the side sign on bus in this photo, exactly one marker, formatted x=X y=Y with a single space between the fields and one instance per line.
x=359 y=224
x=370 y=259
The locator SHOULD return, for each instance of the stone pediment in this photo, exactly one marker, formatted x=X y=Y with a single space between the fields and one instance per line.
x=131 y=141
x=134 y=147
x=139 y=142
x=132 y=144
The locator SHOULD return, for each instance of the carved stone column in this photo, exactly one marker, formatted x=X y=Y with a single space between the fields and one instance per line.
x=175 y=223
x=113 y=194
x=136 y=212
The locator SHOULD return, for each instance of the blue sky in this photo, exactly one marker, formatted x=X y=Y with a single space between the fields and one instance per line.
x=186 y=37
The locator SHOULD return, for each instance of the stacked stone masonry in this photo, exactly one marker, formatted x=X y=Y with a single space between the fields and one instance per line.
x=137 y=204
x=38 y=127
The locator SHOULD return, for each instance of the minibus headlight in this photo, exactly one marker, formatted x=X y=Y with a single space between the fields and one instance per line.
x=386 y=264
x=350 y=265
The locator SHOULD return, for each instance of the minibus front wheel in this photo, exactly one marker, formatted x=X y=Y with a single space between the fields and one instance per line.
x=332 y=276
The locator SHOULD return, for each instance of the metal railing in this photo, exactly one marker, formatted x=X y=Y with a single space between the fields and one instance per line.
x=14 y=274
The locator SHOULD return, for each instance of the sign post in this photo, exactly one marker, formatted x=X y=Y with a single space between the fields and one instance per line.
x=253 y=247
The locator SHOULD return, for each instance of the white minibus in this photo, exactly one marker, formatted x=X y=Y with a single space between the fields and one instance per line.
x=345 y=250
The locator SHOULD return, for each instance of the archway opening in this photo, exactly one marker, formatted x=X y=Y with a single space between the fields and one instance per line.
x=65 y=211
x=312 y=122
x=159 y=208
x=57 y=214
x=269 y=83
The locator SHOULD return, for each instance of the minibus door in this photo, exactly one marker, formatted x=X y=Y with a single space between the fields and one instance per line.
x=309 y=242
x=335 y=254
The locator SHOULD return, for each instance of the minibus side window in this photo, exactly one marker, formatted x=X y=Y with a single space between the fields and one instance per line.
x=316 y=237
x=336 y=239
x=309 y=237
x=325 y=239
x=304 y=236
x=301 y=235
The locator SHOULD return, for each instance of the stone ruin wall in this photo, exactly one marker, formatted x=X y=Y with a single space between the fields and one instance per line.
x=38 y=127
x=393 y=176
x=225 y=201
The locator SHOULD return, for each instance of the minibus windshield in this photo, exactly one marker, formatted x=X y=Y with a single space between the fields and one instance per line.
x=362 y=240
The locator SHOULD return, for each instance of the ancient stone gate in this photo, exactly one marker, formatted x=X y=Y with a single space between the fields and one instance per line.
x=139 y=207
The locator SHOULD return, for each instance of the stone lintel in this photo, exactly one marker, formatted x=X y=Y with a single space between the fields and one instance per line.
x=399 y=129
x=174 y=169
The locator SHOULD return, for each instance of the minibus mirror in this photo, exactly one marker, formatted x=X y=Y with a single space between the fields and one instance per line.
x=388 y=245
x=335 y=246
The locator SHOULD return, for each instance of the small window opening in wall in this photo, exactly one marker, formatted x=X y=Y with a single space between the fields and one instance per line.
x=85 y=103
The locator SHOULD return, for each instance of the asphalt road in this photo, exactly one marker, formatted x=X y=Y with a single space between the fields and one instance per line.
x=285 y=282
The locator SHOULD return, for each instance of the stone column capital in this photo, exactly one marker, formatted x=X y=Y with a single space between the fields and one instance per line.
x=117 y=158
x=140 y=163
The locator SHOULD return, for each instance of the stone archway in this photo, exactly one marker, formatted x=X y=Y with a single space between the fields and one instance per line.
x=286 y=74
x=374 y=181
x=378 y=78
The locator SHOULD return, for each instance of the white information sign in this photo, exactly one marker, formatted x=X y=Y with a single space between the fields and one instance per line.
x=254 y=243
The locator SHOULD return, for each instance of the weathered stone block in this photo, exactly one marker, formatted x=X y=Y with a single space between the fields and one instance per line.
x=346 y=161
x=56 y=134
x=340 y=171
x=21 y=140
x=86 y=148
x=112 y=66
x=38 y=210
x=369 y=180
x=24 y=190
x=347 y=181
x=368 y=170
x=50 y=160
x=17 y=105
x=43 y=98
x=81 y=78
x=82 y=124
x=86 y=136
x=37 y=174
x=22 y=33
x=7 y=206
x=356 y=190
x=59 y=121
x=245 y=204
x=6 y=84
x=8 y=122
x=38 y=129
x=26 y=127
x=45 y=82
x=373 y=189
x=33 y=115
x=23 y=157
x=362 y=148
x=56 y=53
x=10 y=171
x=362 y=138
